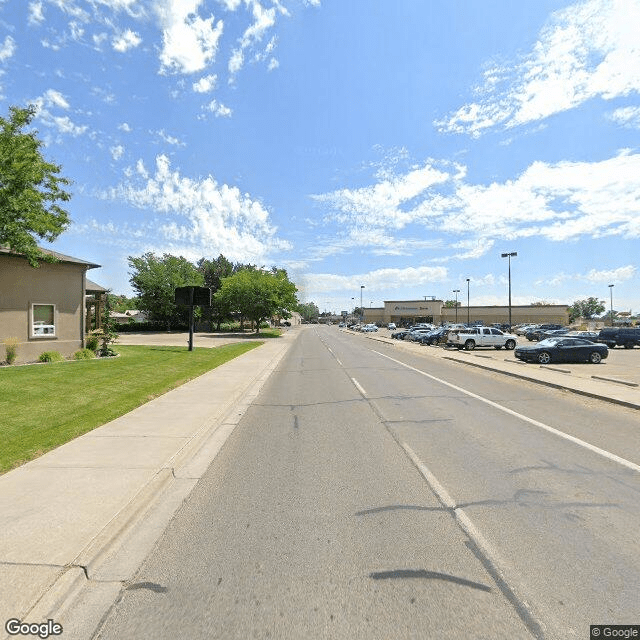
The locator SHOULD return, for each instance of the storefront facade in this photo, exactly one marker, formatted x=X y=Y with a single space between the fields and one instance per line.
x=408 y=312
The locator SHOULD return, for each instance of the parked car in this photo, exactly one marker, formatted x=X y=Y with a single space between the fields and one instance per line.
x=368 y=328
x=523 y=329
x=435 y=337
x=627 y=337
x=481 y=337
x=563 y=349
x=391 y=326
x=535 y=334
x=399 y=335
x=415 y=334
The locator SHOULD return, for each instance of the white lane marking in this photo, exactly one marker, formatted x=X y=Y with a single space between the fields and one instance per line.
x=359 y=387
x=506 y=585
x=541 y=425
x=338 y=361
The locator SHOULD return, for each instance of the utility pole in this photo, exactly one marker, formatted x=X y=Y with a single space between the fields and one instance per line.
x=456 y=291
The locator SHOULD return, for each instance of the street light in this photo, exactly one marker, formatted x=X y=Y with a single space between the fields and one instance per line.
x=468 y=321
x=456 y=291
x=361 y=309
x=611 y=293
x=510 y=255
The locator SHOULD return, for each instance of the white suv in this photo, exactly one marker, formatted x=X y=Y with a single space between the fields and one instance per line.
x=391 y=326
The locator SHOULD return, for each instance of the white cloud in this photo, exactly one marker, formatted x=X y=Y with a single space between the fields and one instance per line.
x=205 y=84
x=190 y=42
x=377 y=280
x=170 y=139
x=273 y=64
x=36 y=15
x=126 y=40
x=588 y=49
x=627 y=117
x=53 y=98
x=558 y=202
x=218 y=109
x=203 y=217
x=612 y=276
x=263 y=20
x=7 y=49
x=125 y=127
x=117 y=152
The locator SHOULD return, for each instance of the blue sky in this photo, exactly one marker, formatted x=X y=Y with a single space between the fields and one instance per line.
x=400 y=144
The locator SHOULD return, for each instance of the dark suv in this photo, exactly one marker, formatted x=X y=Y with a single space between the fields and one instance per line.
x=627 y=337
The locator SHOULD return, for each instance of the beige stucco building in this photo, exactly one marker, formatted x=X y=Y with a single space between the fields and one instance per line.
x=405 y=312
x=43 y=307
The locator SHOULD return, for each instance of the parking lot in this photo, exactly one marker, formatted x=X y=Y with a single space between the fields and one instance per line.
x=622 y=365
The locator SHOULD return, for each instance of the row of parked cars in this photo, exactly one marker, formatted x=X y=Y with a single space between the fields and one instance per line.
x=554 y=343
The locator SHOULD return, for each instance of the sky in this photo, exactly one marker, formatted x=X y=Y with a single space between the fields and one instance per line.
x=403 y=145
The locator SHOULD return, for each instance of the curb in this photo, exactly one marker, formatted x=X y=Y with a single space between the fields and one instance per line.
x=546 y=383
x=69 y=598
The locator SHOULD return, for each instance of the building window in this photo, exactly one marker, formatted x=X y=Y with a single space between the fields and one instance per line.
x=43 y=320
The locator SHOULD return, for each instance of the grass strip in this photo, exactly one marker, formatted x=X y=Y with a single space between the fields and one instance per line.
x=44 y=406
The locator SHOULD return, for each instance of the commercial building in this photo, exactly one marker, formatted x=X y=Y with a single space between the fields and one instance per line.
x=406 y=312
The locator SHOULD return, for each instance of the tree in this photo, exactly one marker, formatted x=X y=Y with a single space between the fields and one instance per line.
x=541 y=303
x=213 y=272
x=258 y=295
x=452 y=304
x=586 y=309
x=121 y=303
x=308 y=311
x=30 y=189
x=155 y=280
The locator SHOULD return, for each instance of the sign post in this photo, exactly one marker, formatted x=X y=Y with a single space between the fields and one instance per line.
x=193 y=297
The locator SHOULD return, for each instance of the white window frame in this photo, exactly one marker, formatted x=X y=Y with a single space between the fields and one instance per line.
x=48 y=331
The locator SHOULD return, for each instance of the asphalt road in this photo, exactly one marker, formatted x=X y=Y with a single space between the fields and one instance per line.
x=370 y=494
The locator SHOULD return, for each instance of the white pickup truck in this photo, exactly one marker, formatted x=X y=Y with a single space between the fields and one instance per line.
x=481 y=337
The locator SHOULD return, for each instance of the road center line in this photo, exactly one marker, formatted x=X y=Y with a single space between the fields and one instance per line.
x=541 y=425
x=359 y=386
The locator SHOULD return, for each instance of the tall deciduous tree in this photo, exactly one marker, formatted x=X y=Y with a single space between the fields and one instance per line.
x=213 y=272
x=30 y=189
x=586 y=308
x=258 y=295
x=155 y=280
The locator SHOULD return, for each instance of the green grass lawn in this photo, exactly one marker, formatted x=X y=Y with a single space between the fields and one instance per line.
x=44 y=406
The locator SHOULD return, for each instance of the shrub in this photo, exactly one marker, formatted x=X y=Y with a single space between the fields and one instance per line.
x=50 y=356
x=93 y=342
x=11 y=346
x=84 y=354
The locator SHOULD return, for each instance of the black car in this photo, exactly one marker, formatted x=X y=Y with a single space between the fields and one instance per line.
x=399 y=335
x=563 y=349
x=434 y=337
x=627 y=337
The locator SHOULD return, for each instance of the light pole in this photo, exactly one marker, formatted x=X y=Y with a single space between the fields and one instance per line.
x=456 y=291
x=361 y=309
x=611 y=294
x=510 y=255
x=468 y=321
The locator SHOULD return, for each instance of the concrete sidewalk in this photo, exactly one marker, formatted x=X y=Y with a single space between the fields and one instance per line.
x=71 y=520
x=583 y=379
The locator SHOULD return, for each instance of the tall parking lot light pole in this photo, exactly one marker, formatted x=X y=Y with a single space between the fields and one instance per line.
x=468 y=321
x=456 y=291
x=611 y=294
x=361 y=309
x=510 y=255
